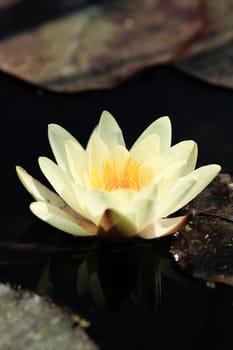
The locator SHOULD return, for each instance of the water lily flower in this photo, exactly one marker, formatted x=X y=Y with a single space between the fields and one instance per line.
x=110 y=191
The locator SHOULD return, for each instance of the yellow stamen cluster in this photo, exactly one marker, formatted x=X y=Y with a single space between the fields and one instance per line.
x=111 y=179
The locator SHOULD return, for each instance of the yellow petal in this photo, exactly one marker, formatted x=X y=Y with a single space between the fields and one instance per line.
x=108 y=131
x=160 y=127
x=163 y=227
x=77 y=161
x=58 y=218
x=37 y=189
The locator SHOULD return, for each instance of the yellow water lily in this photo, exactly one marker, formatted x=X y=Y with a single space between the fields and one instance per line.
x=108 y=190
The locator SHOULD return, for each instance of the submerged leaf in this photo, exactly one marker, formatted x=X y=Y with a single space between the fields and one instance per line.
x=204 y=248
x=210 y=56
x=27 y=321
x=98 y=44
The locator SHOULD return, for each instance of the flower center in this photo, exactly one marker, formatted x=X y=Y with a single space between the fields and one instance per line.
x=129 y=177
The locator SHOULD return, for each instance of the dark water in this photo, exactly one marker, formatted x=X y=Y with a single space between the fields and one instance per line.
x=132 y=292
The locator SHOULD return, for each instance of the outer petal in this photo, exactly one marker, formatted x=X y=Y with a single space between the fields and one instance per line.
x=61 y=183
x=58 y=218
x=37 y=189
x=163 y=227
x=142 y=208
x=202 y=177
x=183 y=151
x=57 y=138
x=108 y=131
x=186 y=188
x=161 y=127
x=174 y=199
x=97 y=202
x=116 y=225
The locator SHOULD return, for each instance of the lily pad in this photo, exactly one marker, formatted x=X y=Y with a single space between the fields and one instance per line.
x=28 y=321
x=210 y=57
x=4 y=3
x=204 y=248
x=94 y=44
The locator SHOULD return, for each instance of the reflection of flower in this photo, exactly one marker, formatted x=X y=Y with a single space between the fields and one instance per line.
x=112 y=274
x=108 y=190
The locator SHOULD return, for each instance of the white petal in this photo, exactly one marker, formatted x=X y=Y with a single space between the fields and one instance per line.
x=78 y=162
x=37 y=189
x=61 y=183
x=98 y=153
x=162 y=128
x=183 y=151
x=148 y=147
x=120 y=155
x=186 y=188
x=58 y=218
x=202 y=177
x=97 y=202
x=57 y=138
x=108 y=131
x=174 y=199
x=163 y=227
x=114 y=224
x=142 y=208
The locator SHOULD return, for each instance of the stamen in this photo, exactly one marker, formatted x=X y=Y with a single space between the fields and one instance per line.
x=111 y=179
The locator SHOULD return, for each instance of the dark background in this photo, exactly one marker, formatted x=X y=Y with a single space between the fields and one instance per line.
x=188 y=316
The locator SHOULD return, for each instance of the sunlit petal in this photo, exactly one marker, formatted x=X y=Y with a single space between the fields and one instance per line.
x=108 y=131
x=58 y=218
x=185 y=151
x=60 y=182
x=57 y=138
x=78 y=162
x=148 y=147
x=160 y=127
x=114 y=224
x=37 y=190
x=163 y=227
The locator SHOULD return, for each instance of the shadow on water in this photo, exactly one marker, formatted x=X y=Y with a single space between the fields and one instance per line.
x=110 y=272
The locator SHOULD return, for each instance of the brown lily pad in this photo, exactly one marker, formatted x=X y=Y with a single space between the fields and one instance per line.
x=4 y=3
x=210 y=57
x=204 y=248
x=98 y=44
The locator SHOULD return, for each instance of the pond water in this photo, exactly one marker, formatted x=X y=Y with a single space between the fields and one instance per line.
x=132 y=292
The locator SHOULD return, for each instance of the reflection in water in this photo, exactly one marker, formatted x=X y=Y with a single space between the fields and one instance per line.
x=112 y=274
x=50 y=262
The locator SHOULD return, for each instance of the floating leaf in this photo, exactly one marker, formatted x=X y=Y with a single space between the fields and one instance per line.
x=96 y=44
x=210 y=57
x=4 y=3
x=204 y=248
x=27 y=321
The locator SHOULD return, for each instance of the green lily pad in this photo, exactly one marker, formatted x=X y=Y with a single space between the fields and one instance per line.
x=93 y=44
